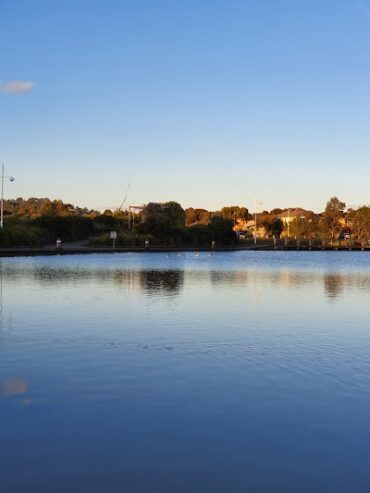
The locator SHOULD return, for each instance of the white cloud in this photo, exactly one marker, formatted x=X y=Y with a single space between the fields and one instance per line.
x=17 y=86
x=363 y=7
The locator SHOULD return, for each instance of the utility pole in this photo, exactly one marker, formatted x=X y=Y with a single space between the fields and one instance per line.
x=255 y=223
x=2 y=198
x=10 y=178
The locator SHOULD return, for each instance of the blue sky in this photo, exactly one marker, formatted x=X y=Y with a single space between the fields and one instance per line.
x=207 y=102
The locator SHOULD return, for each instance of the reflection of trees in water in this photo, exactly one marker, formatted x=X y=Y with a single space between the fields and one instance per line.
x=334 y=284
x=172 y=280
x=146 y=280
x=229 y=277
x=169 y=281
x=152 y=281
x=284 y=278
x=5 y=317
x=1 y=300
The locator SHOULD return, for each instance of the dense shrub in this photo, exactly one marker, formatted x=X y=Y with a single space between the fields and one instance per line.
x=123 y=239
x=21 y=235
x=68 y=228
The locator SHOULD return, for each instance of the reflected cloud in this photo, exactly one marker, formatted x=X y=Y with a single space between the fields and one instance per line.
x=14 y=386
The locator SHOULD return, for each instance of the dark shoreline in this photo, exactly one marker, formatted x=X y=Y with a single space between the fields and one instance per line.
x=34 y=252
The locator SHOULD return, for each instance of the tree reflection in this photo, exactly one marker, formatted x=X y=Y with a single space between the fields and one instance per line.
x=159 y=281
x=171 y=281
x=334 y=285
x=237 y=278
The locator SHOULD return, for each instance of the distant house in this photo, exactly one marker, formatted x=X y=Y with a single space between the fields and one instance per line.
x=250 y=228
x=241 y=225
x=290 y=215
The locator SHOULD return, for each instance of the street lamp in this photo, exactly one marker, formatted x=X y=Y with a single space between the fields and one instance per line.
x=10 y=178
x=255 y=220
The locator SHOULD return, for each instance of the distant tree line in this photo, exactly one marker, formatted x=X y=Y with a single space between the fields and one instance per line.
x=168 y=223
x=36 y=207
x=36 y=222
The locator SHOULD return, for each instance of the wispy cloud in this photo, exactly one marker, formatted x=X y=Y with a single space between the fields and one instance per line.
x=17 y=86
x=363 y=7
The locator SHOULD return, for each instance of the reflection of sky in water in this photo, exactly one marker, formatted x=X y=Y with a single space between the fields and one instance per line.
x=236 y=372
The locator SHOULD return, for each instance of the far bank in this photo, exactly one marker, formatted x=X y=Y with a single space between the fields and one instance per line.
x=47 y=251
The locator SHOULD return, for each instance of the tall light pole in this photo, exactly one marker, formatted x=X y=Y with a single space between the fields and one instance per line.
x=255 y=222
x=10 y=178
x=255 y=219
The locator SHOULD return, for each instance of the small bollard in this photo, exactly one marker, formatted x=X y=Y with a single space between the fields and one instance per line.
x=113 y=237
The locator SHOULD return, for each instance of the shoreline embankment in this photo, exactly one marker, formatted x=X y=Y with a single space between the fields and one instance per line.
x=48 y=251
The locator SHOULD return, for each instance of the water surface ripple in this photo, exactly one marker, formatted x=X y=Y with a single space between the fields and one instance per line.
x=236 y=372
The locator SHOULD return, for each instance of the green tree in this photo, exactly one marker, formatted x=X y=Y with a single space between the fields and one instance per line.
x=234 y=213
x=334 y=212
x=360 y=223
x=196 y=216
x=272 y=224
x=174 y=213
x=221 y=230
x=276 y=211
x=163 y=220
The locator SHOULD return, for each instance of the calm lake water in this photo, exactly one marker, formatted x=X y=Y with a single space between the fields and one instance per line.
x=237 y=372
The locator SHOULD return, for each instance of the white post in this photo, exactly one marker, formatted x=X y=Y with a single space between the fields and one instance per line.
x=2 y=198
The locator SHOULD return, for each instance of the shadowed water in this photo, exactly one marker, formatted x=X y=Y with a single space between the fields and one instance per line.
x=237 y=372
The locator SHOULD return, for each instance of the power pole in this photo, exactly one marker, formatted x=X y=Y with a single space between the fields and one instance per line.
x=255 y=223
x=10 y=178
